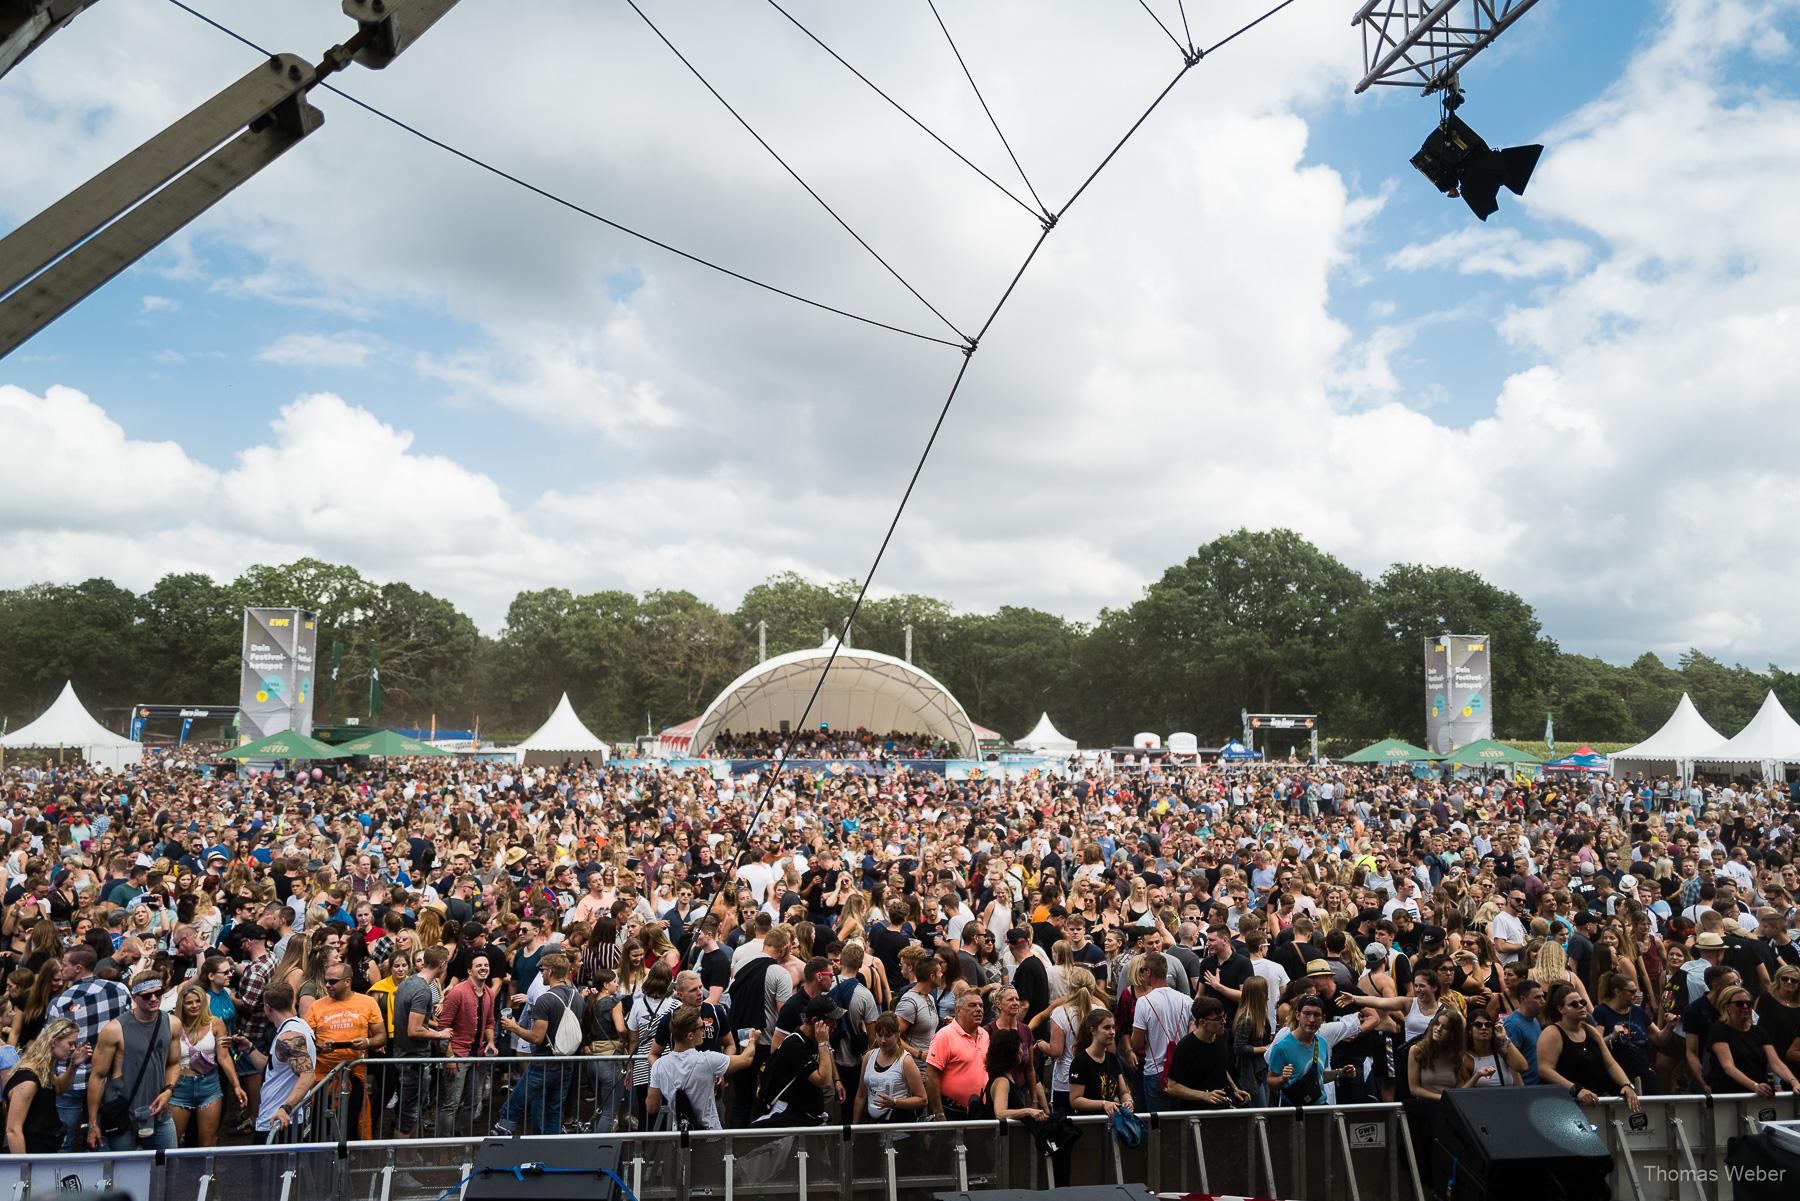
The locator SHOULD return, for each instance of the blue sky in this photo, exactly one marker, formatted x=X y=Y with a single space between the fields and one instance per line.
x=584 y=411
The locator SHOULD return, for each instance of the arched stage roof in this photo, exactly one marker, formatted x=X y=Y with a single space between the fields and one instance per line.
x=864 y=689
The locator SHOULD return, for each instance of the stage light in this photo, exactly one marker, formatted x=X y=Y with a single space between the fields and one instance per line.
x=1459 y=163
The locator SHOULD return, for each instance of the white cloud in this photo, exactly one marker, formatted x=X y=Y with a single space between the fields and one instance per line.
x=348 y=350
x=159 y=304
x=1503 y=252
x=1172 y=366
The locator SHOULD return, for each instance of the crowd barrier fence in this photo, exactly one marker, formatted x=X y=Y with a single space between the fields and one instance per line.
x=1326 y=1153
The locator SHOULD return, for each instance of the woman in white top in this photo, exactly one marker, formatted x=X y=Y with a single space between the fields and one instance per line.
x=1490 y=1062
x=889 y=1087
x=1064 y=1018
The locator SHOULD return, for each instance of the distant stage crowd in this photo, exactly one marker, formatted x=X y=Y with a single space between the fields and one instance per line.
x=442 y=947
x=828 y=744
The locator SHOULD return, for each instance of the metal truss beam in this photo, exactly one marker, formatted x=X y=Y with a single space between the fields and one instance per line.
x=1424 y=43
x=27 y=24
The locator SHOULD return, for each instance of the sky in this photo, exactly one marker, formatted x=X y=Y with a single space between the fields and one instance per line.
x=1258 y=315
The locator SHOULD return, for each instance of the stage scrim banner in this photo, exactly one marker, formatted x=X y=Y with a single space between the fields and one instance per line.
x=277 y=689
x=1459 y=702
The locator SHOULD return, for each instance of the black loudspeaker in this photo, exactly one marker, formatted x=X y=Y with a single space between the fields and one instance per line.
x=1762 y=1166
x=1087 y=1192
x=560 y=1169
x=1494 y=1144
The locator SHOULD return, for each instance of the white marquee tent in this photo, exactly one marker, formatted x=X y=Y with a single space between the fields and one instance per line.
x=66 y=724
x=562 y=737
x=1045 y=739
x=1683 y=738
x=1769 y=743
x=864 y=688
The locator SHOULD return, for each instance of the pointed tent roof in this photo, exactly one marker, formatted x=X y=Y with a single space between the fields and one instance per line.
x=1770 y=737
x=1391 y=750
x=1045 y=737
x=1486 y=752
x=65 y=723
x=564 y=733
x=1686 y=735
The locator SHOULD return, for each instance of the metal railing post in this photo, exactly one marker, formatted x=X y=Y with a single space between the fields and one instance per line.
x=1268 y=1161
x=1200 y=1155
x=962 y=1164
x=1343 y=1133
x=730 y=1162
x=1623 y=1147
x=800 y=1165
x=1679 y=1127
x=1408 y=1152
x=463 y=1173
x=893 y=1172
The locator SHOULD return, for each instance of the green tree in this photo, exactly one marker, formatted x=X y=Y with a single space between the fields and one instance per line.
x=798 y=611
x=1009 y=666
x=1411 y=603
x=1595 y=715
x=85 y=634
x=686 y=651
x=191 y=638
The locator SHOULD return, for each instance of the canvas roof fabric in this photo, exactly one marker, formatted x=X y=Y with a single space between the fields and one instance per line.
x=1046 y=739
x=864 y=689
x=1485 y=752
x=1391 y=750
x=1685 y=737
x=1770 y=740
x=384 y=744
x=285 y=744
x=67 y=723
x=564 y=734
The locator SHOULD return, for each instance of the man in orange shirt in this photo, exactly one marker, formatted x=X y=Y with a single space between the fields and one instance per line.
x=956 y=1065
x=346 y=1026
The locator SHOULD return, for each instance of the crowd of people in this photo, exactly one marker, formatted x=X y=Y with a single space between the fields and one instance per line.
x=193 y=956
x=826 y=743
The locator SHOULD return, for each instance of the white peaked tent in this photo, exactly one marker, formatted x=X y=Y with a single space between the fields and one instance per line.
x=66 y=724
x=1768 y=743
x=1045 y=739
x=1683 y=738
x=562 y=737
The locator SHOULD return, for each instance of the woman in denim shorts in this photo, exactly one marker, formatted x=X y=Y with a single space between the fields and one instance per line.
x=206 y=1068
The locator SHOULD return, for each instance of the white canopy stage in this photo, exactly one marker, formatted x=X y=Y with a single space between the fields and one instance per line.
x=1683 y=738
x=1045 y=739
x=67 y=725
x=864 y=689
x=562 y=737
x=1769 y=743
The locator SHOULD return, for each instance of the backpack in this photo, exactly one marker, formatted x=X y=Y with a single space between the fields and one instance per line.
x=565 y=1032
x=745 y=996
x=849 y=1041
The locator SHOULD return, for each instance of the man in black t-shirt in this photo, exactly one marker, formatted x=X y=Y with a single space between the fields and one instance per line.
x=1200 y=1065
x=711 y=960
x=801 y=1070
x=1224 y=971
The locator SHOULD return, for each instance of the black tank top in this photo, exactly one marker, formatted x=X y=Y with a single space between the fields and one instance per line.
x=1582 y=1064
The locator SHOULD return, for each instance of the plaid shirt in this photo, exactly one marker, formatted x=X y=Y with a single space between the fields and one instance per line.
x=251 y=1022
x=90 y=1004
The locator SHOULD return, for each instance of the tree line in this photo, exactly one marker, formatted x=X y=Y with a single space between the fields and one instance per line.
x=1257 y=620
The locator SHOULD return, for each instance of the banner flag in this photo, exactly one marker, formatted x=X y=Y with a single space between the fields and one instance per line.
x=374 y=684
x=275 y=693
x=1459 y=703
x=1550 y=732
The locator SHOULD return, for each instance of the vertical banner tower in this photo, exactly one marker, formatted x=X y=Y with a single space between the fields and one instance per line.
x=1459 y=682
x=276 y=693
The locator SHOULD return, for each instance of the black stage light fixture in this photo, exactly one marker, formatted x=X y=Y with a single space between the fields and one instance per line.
x=1458 y=163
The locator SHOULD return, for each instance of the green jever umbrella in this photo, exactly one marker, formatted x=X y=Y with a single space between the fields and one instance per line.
x=1488 y=753
x=285 y=745
x=387 y=744
x=1391 y=750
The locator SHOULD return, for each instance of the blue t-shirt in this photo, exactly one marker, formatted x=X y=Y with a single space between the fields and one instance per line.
x=1523 y=1032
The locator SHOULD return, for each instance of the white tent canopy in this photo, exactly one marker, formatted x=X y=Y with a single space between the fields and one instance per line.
x=1769 y=742
x=1685 y=737
x=562 y=737
x=1045 y=739
x=68 y=724
x=864 y=689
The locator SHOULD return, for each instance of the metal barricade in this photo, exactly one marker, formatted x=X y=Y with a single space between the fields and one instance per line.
x=458 y=1097
x=1327 y=1153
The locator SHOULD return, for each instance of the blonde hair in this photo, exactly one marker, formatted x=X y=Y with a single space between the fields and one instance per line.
x=194 y=1033
x=1551 y=965
x=37 y=1055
